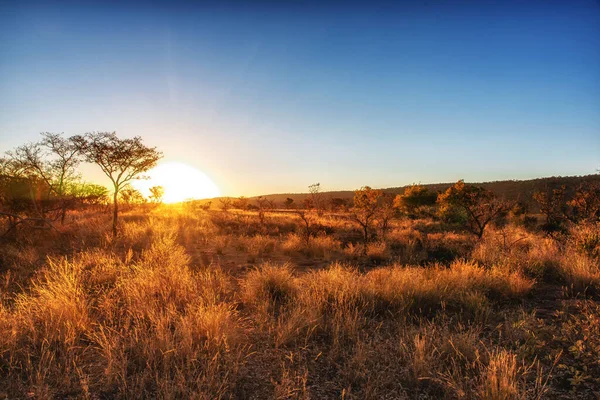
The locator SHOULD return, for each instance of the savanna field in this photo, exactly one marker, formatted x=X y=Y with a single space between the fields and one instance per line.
x=285 y=303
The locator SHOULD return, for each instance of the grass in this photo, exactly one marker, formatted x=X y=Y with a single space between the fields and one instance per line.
x=220 y=305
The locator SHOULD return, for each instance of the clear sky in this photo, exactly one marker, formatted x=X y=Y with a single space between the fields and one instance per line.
x=275 y=96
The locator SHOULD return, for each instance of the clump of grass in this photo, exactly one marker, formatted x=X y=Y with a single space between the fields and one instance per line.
x=269 y=288
x=447 y=246
x=48 y=324
x=217 y=325
x=378 y=252
x=501 y=378
x=585 y=239
x=515 y=248
x=257 y=246
x=463 y=285
x=161 y=279
x=580 y=273
x=220 y=243
x=56 y=308
x=332 y=288
x=319 y=246
x=123 y=328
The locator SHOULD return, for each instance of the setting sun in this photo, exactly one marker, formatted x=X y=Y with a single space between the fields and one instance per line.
x=180 y=182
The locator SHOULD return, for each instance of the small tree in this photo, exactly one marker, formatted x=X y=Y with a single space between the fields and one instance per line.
x=263 y=206
x=241 y=203
x=553 y=206
x=317 y=198
x=88 y=193
x=415 y=201
x=131 y=196
x=53 y=161
x=288 y=203
x=307 y=229
x=479 y=205
x=585 y=204
x=385 y=213
x=121 y=160
x=308 y=204
x=364 y=212
x=225 y=203
x=156 y=194
x=338 y=204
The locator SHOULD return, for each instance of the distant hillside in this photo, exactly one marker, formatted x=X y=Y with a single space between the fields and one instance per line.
x=510 y=189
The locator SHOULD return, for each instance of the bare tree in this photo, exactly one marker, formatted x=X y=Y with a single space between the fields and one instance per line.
x=121 y=160
x=53 y=161
x=264 y=205
x=317 y=198
x=226 y=203
x=307 y=229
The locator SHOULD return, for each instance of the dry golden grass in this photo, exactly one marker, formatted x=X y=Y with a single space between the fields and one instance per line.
x=425 y=313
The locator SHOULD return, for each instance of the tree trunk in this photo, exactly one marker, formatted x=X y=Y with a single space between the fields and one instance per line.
x=366 y=237
x=63 y=213
x=115 y=213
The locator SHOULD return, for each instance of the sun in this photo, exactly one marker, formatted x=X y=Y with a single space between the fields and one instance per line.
x=180 y=182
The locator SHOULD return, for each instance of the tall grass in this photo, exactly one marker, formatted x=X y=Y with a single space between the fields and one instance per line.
x=426 y=313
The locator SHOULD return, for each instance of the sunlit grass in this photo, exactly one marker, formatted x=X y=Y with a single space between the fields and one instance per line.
x=208 y=305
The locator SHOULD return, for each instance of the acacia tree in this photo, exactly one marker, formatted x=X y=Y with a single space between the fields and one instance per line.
x=121 y=160
x=479 y=205
x=52 y=161
x=365 y=210
x=156 y=194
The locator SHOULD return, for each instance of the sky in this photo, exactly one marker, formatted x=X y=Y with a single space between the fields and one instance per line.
x=271 y=97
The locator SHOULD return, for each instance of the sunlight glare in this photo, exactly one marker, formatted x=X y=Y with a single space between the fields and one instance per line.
x=180 y=182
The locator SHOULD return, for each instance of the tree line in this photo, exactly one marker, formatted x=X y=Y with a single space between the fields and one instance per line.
x=468 y=206
x=40 y=184
x=40 y=181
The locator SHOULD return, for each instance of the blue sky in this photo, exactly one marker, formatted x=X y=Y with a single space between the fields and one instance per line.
x=271 y=98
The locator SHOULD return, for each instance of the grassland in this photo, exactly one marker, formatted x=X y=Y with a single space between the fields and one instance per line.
x=211 y=304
